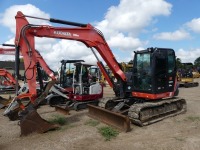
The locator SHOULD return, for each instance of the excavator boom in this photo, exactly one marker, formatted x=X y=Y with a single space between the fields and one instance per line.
x=86 y=34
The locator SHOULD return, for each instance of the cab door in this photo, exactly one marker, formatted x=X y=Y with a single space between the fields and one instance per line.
x=164 y=70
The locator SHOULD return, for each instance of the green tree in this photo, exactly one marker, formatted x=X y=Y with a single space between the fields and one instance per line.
x=178 y=63
x=197 y=62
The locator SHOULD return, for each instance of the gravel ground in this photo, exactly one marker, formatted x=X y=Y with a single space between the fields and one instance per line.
x=175 y=133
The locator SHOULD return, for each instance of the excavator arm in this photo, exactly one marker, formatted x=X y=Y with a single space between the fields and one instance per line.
x=12 y=81
x=39 y=60
x=16 y=106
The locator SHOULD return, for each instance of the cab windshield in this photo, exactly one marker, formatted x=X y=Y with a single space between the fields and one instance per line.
x=142 y=72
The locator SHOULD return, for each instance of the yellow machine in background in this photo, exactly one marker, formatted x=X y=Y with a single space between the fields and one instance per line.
x=196 y=74
x=186 y=76
x=126 y=67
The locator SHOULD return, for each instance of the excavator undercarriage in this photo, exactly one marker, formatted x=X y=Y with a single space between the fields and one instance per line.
x=120 y=112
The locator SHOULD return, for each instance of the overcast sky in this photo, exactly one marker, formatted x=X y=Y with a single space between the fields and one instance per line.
x=127 y=25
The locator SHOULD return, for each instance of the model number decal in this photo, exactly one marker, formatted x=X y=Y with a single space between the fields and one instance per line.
x=62 y=33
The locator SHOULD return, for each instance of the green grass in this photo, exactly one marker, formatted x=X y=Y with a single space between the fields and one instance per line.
x=92 y=123
x=57 y=119
x=108 y=133
x=179 y=139
x=67 y=127
x=193 y=118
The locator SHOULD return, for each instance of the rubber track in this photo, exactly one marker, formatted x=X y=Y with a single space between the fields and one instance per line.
x=151 y=112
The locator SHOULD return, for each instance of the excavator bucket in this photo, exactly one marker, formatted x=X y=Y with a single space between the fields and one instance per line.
x=32 y=122
x=114 y=119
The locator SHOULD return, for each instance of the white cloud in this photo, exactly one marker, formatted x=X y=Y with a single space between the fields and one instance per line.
x=133 y=15
x=8 y=17
x=44 y=44
x=188 y=55
x=194 y=25
x=124 y=43
x=65 y=49
x=125 y=21
x=7 y=58
x=172 y=36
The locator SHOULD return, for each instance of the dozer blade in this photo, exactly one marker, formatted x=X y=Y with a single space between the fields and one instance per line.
x=62 y=109
x=4 y=102
x=32 y=122
x=116 y=120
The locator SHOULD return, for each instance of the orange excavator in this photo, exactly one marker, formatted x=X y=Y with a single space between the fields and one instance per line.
x=7 y=85
x=7 y=81
x=143 y=97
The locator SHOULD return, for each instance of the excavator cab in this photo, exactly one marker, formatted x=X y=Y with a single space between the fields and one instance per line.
x=83 y=80
x=154 y=71
x=66 y=72
x=83 y=87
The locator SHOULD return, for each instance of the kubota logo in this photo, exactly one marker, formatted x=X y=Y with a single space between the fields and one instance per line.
x=62 y=33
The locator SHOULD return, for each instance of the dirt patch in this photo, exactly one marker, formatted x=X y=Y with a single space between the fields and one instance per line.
x=175 y=133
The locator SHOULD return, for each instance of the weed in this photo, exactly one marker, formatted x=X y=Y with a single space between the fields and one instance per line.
x=67 y=127
x=58 y=120
x=92 y=123
x=179 y=138
x=108 y=133
x=193 y=118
